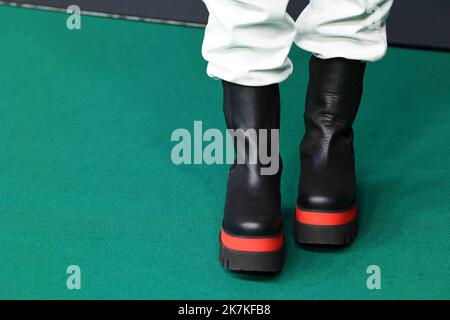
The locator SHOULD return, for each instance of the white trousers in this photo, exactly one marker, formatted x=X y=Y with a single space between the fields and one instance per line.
x=248 y=41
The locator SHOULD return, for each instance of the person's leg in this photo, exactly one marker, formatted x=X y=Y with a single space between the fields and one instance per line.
x=246 y=45
x=247 y=41
x=351 y=29
x=342 y=35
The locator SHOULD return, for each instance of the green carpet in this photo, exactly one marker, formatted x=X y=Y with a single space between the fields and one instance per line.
x=86 y=176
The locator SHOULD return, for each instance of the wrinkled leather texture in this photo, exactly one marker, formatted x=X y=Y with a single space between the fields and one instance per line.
x=327 y=180
x=253 y=201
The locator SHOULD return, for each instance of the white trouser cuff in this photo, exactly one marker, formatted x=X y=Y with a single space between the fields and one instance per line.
x=256 y=78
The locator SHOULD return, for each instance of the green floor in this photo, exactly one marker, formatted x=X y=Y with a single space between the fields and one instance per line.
x=86 y=176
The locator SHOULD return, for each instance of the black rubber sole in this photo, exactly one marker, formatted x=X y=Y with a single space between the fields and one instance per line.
x=264 y=262
x=339 y=235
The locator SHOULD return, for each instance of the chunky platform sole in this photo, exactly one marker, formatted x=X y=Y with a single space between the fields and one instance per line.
x=326 y=228
x=247 y=254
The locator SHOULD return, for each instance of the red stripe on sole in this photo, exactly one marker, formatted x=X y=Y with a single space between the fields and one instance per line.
x=325 y=218
x=251 y=244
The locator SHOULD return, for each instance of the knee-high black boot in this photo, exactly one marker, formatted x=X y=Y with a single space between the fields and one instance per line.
x=251 y=238
x=326 y=205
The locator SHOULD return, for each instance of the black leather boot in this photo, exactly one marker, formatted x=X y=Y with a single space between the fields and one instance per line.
x=326 y=205
x=251 y=238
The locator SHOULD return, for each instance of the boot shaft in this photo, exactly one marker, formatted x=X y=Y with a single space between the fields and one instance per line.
x=253 y=201
x=327 y=159
x=248 y=107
